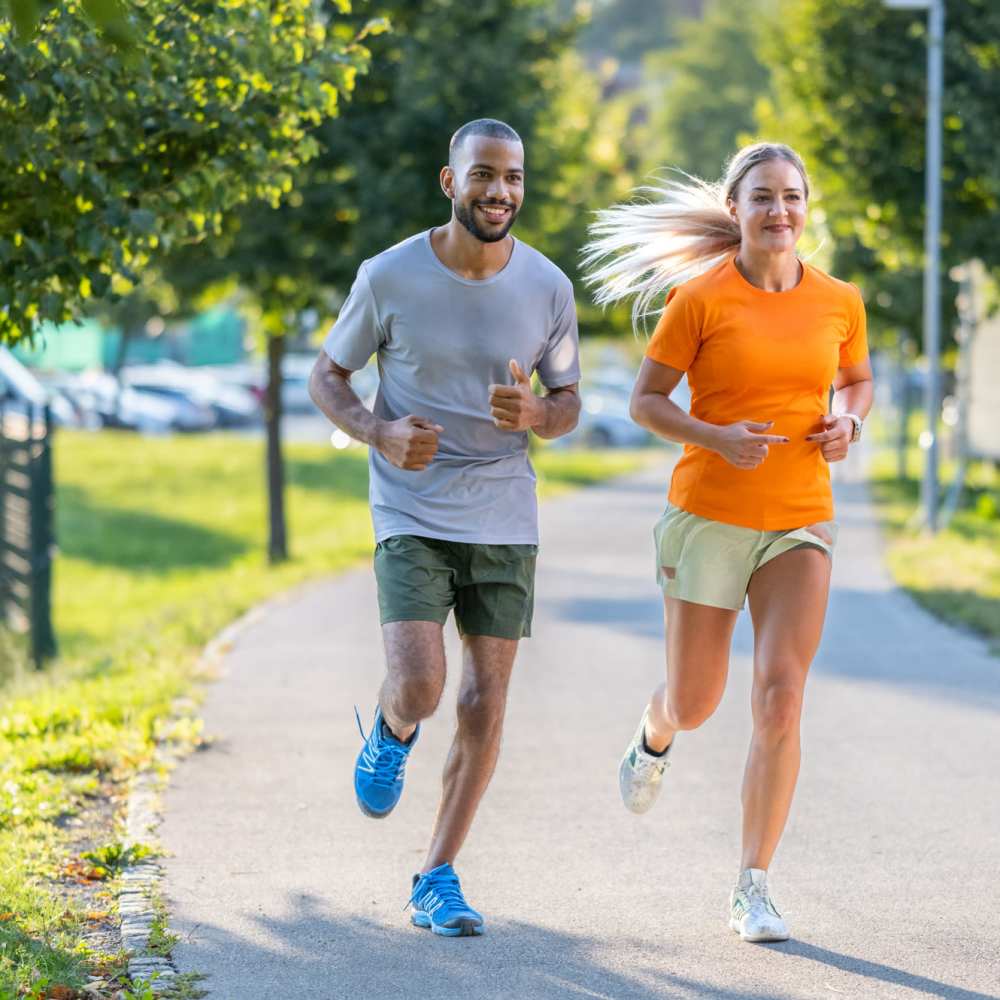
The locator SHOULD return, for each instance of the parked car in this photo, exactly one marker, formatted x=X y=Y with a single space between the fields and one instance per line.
x=17 y=382
x=224 y=405
x=605 y=423
x=295 y=372
x=102 y=402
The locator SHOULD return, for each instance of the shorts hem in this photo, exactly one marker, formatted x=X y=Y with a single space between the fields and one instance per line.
x=677 y=594
x=416 y=616
x=799 y=543
x=494 y=632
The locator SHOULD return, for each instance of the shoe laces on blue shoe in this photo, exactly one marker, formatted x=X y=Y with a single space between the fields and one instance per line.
x=380 y=767
x=438 y=903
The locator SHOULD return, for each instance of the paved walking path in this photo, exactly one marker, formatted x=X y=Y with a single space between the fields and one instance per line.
x=889 y=874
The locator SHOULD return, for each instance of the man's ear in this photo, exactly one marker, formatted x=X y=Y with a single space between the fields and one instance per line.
x=447 y=179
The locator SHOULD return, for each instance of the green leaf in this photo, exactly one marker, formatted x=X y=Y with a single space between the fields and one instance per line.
x=25 y=15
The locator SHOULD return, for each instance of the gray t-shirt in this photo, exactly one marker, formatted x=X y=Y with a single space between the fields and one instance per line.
x=441 y=340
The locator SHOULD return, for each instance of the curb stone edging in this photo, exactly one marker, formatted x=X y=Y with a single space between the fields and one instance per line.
x=140 y=892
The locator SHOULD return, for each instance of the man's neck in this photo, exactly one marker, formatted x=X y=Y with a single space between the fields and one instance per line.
x=468 y=257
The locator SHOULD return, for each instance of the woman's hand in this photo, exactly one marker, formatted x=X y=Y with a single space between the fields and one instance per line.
x=835 y=437
x=744 y=444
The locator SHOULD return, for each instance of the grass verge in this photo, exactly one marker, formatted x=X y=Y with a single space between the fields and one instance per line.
x=161 y=545
x=955 y=573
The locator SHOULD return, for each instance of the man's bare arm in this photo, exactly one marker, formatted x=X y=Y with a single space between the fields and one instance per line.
x=560 y=411
x=517 y=408
x=409 y=443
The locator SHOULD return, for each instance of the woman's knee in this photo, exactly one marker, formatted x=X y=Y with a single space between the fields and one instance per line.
x=689 y=712
x=777 y=709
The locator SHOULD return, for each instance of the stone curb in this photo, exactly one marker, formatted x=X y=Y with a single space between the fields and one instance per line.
x=142 y=882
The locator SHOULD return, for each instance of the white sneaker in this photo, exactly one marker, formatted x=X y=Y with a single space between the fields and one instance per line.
x=640 y=772
x=751 y=913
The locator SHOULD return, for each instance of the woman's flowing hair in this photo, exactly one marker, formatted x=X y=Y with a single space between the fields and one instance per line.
x=680 y=228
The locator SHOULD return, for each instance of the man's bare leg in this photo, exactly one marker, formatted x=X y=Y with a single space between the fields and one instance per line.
x=415 y=674
x=482 y=702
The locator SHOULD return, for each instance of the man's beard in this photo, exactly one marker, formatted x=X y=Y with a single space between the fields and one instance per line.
x=467 y=216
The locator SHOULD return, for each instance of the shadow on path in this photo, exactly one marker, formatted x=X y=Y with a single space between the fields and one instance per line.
x=317 y=956
x=878 y=971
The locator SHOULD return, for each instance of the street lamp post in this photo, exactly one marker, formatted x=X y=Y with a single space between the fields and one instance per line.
x=932 y=242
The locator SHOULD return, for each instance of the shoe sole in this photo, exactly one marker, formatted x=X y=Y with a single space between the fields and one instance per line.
x=371 y=812
x=465 y=928
x=756 y=938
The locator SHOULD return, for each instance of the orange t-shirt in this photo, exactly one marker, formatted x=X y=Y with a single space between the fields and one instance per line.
x=756 y=355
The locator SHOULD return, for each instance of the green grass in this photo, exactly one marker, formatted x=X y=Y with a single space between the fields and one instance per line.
x=955 y=573
x=162 y=544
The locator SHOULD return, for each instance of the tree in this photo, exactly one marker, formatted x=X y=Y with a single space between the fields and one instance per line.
x=626 y=30
x=108 y=160
x=852 y=80
x=704 y=92
x=108 y=15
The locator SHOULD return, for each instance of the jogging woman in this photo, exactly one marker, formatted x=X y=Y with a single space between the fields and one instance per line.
x=762 y=336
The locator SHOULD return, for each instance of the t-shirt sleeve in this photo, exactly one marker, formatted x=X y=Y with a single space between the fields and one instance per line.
x=357 y=332
x=854 y=348
x=559 y=364
x=677 y=336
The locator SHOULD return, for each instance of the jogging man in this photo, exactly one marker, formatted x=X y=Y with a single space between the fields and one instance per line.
x=459 y=317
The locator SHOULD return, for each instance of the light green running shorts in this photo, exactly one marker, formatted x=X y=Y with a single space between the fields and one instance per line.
x=708 y=562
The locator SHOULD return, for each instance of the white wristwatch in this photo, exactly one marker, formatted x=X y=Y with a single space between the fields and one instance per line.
x=858 y=422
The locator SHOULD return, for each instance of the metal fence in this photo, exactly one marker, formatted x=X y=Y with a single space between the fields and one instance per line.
x=27 y=537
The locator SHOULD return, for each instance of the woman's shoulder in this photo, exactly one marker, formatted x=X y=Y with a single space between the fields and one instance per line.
x=702 y=286
x=833 y=286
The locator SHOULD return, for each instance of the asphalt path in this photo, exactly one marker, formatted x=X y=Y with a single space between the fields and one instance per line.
x=888 y=874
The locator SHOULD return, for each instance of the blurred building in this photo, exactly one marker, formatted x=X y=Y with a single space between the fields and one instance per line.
x=216 y=337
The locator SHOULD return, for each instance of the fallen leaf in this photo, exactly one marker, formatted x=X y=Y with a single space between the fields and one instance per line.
x=60 y=993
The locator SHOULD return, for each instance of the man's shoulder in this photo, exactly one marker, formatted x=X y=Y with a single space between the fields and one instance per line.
x=543 y=269
x=390 y=261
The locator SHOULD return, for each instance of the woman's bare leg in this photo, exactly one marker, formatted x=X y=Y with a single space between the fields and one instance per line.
x=788 y=599
x=698 y=640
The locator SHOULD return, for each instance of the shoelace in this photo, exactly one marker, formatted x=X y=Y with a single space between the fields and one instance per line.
x=389 y=758
x=758 y=896
x=645 y=764
x=446 y=890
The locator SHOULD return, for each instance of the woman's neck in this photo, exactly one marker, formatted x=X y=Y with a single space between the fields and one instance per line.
x=773 y=272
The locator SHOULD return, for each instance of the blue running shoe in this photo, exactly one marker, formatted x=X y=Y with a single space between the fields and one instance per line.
x=438 y=903
x=380 y=768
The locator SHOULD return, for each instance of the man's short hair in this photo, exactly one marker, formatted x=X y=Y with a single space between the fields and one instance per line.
x=490 y=127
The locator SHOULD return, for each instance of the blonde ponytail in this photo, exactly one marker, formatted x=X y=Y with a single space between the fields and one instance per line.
x=682 y=227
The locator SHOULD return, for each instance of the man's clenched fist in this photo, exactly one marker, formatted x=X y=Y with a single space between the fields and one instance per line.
x=515 y=407
x=409 y=443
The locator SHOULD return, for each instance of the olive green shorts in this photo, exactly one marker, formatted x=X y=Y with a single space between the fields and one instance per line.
x=490 y=587
x=708 y=562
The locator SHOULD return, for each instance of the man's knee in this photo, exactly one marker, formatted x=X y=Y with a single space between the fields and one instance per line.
x=417 y=696
x=415 y=666
x=481 y=710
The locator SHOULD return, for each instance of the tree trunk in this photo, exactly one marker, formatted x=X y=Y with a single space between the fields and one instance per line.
x=277 y=545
